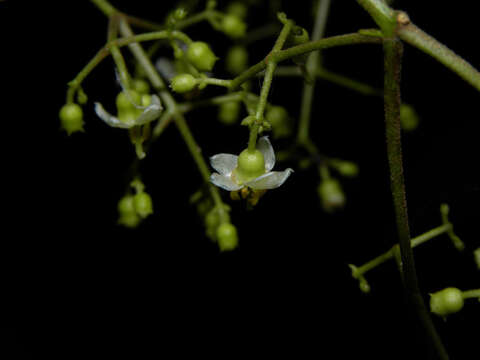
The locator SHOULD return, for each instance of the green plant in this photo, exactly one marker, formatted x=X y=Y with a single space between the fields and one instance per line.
x=196 y=58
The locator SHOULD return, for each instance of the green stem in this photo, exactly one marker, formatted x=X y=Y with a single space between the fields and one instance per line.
x=330 y=42
x=421 y=40
x=414 y=243
x=213 y=81
x=311 y=66
x=107 y=50
x=334 y=78
x=392 y=55
x=267 y=82
x=381 y=13
x=471 y=294
x=180 y=121
x=105 y=7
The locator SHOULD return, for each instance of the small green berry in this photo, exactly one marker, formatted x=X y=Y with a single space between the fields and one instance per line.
x=345 y=168
x=227 y=237
x=201 y=56
x=251 y=165
x=446 y=301
x=331 y=195
x=233 y=26
x=476 y=255
x=71 y=118
x=129 y=220
x=408 y=118
x=126 y=205
x=183 y=83
x=141 y=86
x=237 y=59
x=278 y=117
x=143 y=204
x=228 y=112
x=124 y=101
x=298 y=36
x=238 y=9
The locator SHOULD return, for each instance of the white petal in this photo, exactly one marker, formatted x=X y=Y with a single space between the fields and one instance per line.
x=108 y=118
x=270 y=180
x=151 y=112
x=224 y=163
x=266 y=149
x=224 y=182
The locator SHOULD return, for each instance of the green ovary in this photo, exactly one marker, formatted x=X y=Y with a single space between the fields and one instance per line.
x=251 y=165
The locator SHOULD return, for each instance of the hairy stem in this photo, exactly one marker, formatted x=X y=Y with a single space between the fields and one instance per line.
x=330 y=42
x=393 y=50
x=426 y=43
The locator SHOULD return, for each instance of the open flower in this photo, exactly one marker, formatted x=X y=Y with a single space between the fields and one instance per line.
x=150 y=110
x=251 y=169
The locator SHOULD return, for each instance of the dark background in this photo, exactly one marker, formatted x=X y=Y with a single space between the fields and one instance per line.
x=77 y=284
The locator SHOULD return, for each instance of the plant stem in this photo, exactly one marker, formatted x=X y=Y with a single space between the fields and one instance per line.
x=414 y=242
x=426 y=43
x=330 y=42
x=180 y=121
x=267 y=82
x=311 y=66
x=471 y=294
x=381 y=13
x=392 y=55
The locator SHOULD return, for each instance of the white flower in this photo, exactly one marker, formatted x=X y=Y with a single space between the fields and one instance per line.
x=225 y=164
x=150 y=113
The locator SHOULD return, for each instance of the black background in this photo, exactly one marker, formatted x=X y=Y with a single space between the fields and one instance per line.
x=77 y=284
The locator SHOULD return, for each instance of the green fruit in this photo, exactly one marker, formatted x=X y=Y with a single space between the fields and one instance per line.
x=130 y=220
x=183 y=83
x=228 y=112
x=143 y=204
x=331 y=195
x=227 y=237
x=201 y=56
x=408 y=118
x=251 y=165
x=233 y=26
x=141 y=86
x=71 y=118
x=236 y=59
x=126 y=205
x=124 y=102
x=238 y=9
x=446 y=301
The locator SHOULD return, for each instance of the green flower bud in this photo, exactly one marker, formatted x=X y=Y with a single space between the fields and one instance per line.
x=236 y=59
x=331 y=195
x=408 y=118
x=143 y=204
x=278 y=117
x=476 y=255
x=126 y=205
x=233 y=26
x=183 y=83
x=227 y=237
x=130 y=220
x=238 y=9
x=201 y=56
x=446 y=301
x=251 y=165
x=345 y=168
x=124 y=101
x=298 y=36
x=228 y=112
x=141 y=86
x=71 y=118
